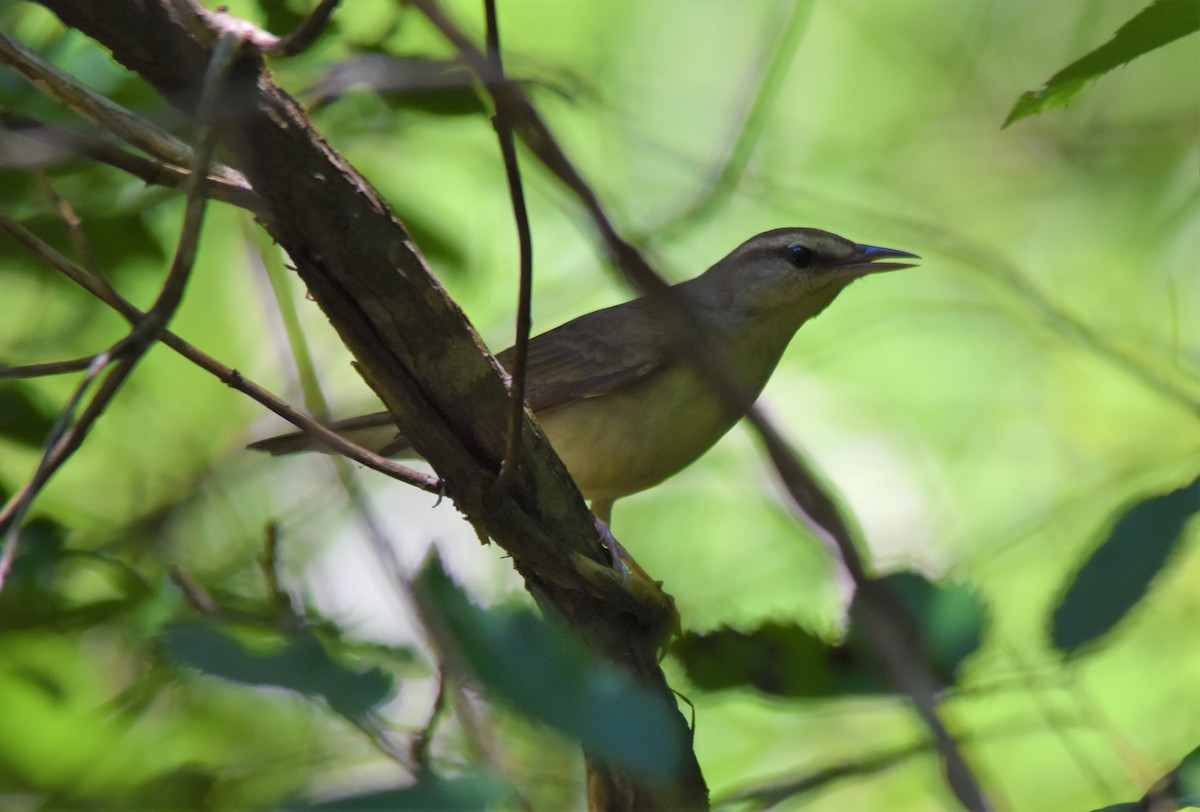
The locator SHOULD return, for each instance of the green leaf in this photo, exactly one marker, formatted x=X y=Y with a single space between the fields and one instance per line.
x=41 y=591
x=785 y=660
x=1118 y=573
x=534 y=667
x=1178 y=789
x=442 y=87
x=24 y=419
x=1160 y=23
x=950 y=618
x=777 y=659
x=299 y=663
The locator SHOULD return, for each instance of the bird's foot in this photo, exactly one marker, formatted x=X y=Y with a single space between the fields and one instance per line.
x=621 y=560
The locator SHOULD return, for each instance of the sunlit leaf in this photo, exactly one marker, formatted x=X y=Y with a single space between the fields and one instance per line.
x=1116 y=576
x=1160 y=23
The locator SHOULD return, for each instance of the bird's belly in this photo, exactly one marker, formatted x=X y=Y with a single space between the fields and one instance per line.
x=625 y=442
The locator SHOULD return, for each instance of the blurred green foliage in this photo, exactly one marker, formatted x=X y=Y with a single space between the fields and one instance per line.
x=989 y=418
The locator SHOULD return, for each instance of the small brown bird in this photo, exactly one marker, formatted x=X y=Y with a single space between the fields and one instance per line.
x=619 y=403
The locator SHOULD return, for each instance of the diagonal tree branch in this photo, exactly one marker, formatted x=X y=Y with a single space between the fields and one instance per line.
x=413 y=344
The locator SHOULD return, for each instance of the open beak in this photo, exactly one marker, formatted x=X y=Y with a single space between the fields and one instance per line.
x=866 y=260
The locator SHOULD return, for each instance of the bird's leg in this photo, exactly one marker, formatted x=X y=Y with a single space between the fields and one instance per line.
x=602 y=510
x=622 y=561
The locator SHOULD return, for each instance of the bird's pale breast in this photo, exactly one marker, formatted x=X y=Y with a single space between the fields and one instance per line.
x=630 y=440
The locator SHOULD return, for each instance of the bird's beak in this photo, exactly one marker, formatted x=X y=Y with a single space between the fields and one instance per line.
x=865 y=260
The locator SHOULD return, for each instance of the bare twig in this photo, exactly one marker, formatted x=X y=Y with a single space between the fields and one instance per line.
x=268 y=562
x=13 y=513
x=55 y=142
x=194 y=592
x=307 y=33
x=227 y=375
x=419 y=747
x=46 y=368
x=67 y=437
x=516 y=191
x=100 y=110
x=72 y=222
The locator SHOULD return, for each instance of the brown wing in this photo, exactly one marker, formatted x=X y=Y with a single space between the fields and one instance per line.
x=596 y=354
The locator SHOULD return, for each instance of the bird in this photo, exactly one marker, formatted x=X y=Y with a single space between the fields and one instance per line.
x=619 y=401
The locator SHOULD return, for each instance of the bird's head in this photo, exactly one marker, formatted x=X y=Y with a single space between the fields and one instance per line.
x=797 y=271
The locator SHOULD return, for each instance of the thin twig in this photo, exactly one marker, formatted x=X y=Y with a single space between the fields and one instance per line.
x=13 y=513
x=308 y=31
x=67 y=437
x=55 y=142
x=269 y=564
x=194 y=592
x=421 y=743
x=72 y=222
x=227 y=375
x=100 y=110
x=1068 y=325
x=516 y=191
x=46 y=368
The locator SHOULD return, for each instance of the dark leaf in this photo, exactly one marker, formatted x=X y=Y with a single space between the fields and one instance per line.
x=1118 y=573
x=24 y=418
x=299 y=663
x=949 y=617
x=778 y=659
x=440 y=86
x=187 y=787
x=785 y=660
x=538 y=670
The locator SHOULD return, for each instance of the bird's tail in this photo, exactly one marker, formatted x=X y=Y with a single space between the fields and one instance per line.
x=376 y=432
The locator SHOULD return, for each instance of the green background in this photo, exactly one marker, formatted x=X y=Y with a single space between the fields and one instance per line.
x=985 y=416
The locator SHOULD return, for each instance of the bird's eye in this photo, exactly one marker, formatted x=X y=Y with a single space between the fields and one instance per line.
x=800 y=256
